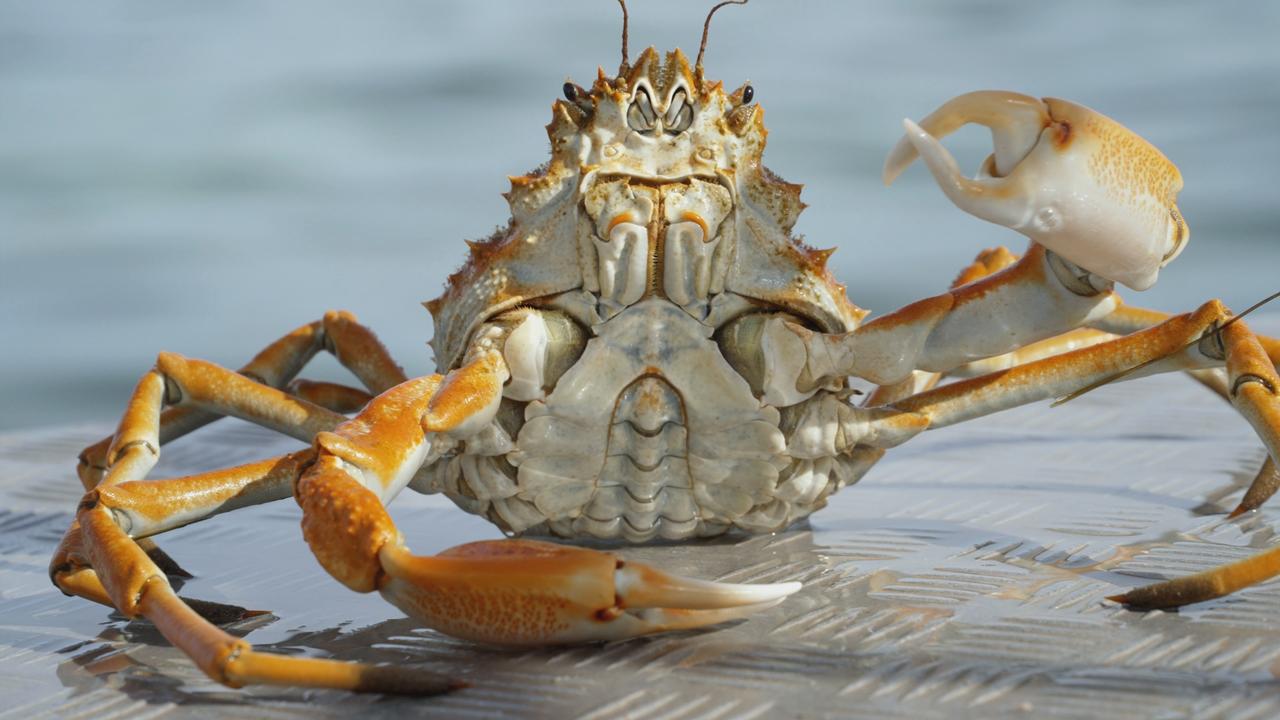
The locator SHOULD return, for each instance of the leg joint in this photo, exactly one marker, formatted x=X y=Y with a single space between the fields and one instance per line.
x=256 y=377
x=124 y=449
x=1251 y=378
x=1211 y=344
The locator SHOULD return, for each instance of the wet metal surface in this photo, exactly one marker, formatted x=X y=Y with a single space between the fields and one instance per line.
x=963 y=578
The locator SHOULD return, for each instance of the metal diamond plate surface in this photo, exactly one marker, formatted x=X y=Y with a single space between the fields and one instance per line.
x=963 y=578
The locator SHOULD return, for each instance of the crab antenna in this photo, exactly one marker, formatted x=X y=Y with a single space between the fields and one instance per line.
x=622 y=70
x=706 y=28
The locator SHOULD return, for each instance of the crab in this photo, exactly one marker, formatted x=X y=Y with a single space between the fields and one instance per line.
x=645 y=352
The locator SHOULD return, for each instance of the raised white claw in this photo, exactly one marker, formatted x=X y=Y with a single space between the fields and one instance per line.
x=1065 y=176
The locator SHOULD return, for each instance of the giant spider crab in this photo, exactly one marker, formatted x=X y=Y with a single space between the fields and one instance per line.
x=646 y=352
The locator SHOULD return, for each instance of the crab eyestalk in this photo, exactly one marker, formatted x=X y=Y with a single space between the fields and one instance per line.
x=1067 y=177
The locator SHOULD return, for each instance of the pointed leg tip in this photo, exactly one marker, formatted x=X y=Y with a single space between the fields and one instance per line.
x=1240 y=510
x=1153 y=597
x=406 y=680
x=1132 y=601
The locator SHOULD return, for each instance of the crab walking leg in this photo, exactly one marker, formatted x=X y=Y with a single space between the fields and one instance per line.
x=135 y=447
x=1207 y=337
x=1066 y=342
x=1126 y=319
x=354 y=345
x=136 y=586
x=1183 y=342
x=1121 y=320
x=527 y=592
x=1254 y=387
x=148 y=507
x=1265 y=483
x=1025 y=303
x=99 y=560
x=332 y=396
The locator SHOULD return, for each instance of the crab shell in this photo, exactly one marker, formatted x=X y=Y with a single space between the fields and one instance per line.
x=651 y=311
x=539 y=255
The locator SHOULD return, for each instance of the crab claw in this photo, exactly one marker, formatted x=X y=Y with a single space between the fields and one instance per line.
x=522 y=592
x=1067 y=177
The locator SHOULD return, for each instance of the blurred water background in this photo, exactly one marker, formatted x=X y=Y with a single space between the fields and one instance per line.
x=201 y=177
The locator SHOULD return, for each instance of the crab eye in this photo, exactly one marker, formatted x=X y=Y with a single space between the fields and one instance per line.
x=640 y=116
x=570 y=92
x=679 y=113
x=748 y=94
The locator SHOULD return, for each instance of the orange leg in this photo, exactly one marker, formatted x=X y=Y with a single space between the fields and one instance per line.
x=1205 y=338
x=1123 y=320
x=1126 y=319
x=502 y=591
x=136 y=586
x=1184 y=342
x=135 y=448
x=98 y=559
x=340 y=333
x=333 y=396
x=147 y=507
x=1254 y=388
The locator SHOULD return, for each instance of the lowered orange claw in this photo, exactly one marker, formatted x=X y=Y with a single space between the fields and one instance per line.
x=523 y=592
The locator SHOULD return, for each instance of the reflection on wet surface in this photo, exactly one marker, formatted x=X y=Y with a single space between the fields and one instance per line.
x=963 y=577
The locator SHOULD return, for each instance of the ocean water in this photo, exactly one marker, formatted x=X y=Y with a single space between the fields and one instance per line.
x=201 y=177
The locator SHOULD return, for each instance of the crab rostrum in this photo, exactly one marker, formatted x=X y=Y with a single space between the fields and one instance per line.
x=646 y=351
